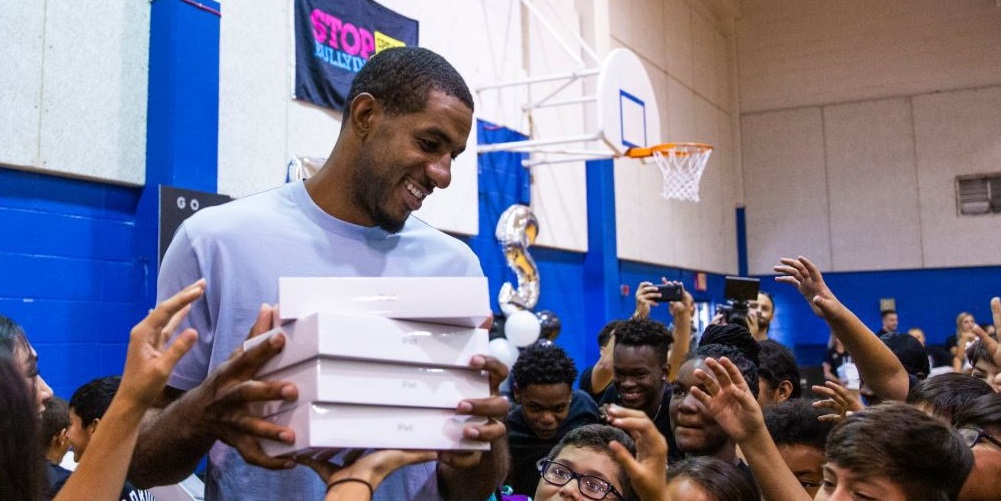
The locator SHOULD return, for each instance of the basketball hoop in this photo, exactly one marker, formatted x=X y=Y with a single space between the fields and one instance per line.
x=681 y=166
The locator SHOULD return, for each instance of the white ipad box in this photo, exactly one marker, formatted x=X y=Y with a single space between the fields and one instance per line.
x=374 y=338
x=374 y=383
x=461 y=301
x=334 y=426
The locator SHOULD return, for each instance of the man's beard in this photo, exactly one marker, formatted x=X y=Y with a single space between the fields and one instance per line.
x=370 y=193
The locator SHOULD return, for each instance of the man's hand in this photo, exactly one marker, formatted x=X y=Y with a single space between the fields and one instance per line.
x=646 y=298
x=474 y=475
x=806 y=277
x=225 y=398
x=149 y=361
x=728 y=399
x=684 y=307
x=646 y=470
x=494 y=408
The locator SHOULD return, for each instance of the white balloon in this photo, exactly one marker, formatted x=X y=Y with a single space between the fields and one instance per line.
x=503 y=350
x=522 y=328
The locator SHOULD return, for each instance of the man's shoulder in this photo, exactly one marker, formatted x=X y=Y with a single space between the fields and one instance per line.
x=233 y=215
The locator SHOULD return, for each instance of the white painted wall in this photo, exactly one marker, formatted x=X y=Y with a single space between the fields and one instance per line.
x=262 y=127
x=73 y=88
x=857 y=116
x=688 y=51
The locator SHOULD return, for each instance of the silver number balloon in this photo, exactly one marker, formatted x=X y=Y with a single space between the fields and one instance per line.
x=516 y=231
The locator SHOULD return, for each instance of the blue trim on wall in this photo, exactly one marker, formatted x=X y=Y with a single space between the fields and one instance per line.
x=601 y=265
x=929 y=299
x=183 y=116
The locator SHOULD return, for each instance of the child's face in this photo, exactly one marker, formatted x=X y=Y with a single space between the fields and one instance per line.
x=843 y=484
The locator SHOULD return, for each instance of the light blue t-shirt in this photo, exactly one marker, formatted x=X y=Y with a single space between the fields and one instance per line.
x=241 y=249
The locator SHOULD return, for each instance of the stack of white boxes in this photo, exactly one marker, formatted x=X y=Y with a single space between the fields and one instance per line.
x=379 y=362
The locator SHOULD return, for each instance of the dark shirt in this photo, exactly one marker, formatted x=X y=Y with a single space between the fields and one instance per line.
x=662 y=421
x=526 y=449
x=584 y=383
x=57 y=477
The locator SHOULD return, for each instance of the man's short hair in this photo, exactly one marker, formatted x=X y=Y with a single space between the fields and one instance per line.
x=720 y=479
x=543 y=363
x=776 y=364
x=981 y=412
x=644 y=332
x=886 y=313
x=946 y=394
x=794 y=422
x=923 y=456
x=91 y=400
x=402 y=78
x=597 y=437
x=55 y=419
x=910 y=352
x=605 y=335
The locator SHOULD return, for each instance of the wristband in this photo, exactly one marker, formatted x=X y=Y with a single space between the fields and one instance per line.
x=371 y=491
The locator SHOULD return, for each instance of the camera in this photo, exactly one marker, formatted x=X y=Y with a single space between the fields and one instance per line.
x=670 y=292
x=738 y=292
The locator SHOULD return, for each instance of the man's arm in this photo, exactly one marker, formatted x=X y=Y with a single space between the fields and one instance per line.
x=174 y=437
x=681 y=311
x=474 y=476
x=878 y=366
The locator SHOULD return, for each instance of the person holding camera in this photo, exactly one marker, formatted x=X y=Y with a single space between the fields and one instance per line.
x=681 y=304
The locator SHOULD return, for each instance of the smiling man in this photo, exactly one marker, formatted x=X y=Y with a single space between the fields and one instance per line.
x=408 y=116
x=640 y=374
x=547 y=410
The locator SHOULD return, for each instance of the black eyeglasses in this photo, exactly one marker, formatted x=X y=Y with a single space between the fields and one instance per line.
x=973 y=435
x=590 y=486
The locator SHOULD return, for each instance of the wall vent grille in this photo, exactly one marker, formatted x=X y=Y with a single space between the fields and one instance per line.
x=980 y=194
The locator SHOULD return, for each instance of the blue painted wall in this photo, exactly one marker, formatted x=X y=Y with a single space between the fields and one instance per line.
x=929 y=299
x=69 y=273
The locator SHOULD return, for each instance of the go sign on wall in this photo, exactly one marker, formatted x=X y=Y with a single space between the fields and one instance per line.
x=178 y=204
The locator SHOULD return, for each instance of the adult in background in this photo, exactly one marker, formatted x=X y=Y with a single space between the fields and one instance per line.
x=760 y=317
x=547 y=409
x=889 y=320
x=408 y=116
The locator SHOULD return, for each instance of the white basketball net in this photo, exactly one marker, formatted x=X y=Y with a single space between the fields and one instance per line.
x=681 y=167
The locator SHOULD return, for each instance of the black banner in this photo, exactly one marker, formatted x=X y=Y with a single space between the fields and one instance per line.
x=335 y=38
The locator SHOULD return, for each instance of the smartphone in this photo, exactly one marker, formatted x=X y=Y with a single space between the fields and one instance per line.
x=670 y=292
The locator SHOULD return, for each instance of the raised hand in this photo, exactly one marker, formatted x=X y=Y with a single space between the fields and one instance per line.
x=149 y=360
x=805 y=276
x=646 y=470
x=370 y=470
x=839 y=399
x=989 y=343
x=646 y=299
x=728 y=399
